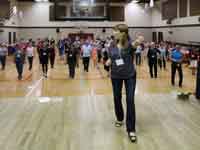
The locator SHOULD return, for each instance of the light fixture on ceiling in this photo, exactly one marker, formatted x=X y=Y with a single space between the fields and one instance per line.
x=146 y=5
x=41 y=0
x=151 y=4
x=135 y=1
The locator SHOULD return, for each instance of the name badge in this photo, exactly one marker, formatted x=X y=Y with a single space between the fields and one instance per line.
x=119 y=62
x=70 y=55
x=44 y=53
x=18 y=55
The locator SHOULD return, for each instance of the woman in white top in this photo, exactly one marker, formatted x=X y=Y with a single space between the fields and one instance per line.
x=163 y=56
x=30 y=55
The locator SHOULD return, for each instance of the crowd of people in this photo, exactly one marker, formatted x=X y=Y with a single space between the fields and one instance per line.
x=69 y=50
x=96 y=50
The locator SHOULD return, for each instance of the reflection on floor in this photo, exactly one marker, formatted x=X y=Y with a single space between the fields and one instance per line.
x=63 y=114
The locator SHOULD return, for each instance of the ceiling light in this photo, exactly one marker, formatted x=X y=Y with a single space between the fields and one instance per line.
x=41 y=0
x=151 y=3
x=146 y=5
x=135 y=1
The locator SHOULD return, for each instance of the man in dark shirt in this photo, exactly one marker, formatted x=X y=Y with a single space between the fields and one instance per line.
x=123 y=70
x=71 y=59
x=152 y=60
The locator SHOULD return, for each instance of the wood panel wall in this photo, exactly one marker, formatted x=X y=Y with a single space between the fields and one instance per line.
x=183 y=8
x=169 y=9
x=194 y=7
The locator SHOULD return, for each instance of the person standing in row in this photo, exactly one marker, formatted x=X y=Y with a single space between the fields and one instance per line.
x=123 y=71
x=19 y=58
x=138 y=56
x=30 y=55
x=163 y=56
x=86 y=53
x=105 y=59
x=52 y=54
x=99 y=49
x=152 y=60
x=44 y=53
x=176 y=58
x=71 y=60
x=3 y=54
x=77 y=46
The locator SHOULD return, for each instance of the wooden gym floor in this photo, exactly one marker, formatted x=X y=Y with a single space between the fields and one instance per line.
x=63 y=114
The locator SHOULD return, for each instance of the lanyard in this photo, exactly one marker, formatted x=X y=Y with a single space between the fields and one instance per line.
x=119 y=52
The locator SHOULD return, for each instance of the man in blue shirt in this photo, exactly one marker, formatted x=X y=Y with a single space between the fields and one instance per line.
x=176 y=58
x=86 y=52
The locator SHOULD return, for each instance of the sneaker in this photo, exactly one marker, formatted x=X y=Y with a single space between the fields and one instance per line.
x=132 y=136
x=118 y=123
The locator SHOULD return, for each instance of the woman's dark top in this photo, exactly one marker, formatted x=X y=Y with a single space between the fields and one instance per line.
x=52 y=52
x=152 y=54
x=44 y=53
x=125 y=71
x=71 y=56
x=19 y=57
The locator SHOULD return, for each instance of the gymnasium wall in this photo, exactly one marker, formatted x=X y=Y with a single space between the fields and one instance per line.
x=35 y=22
x=183 y=29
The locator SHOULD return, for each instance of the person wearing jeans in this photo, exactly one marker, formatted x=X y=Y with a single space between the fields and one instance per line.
x=123 y=72
x=138 y=55
x=86 y=53
x=30 y=55
x=163 y=56
x=19 y=61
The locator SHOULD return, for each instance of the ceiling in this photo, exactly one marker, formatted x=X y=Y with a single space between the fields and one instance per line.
x=140 y=1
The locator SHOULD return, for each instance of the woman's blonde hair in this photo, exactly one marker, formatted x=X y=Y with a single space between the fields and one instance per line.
x=121 y=28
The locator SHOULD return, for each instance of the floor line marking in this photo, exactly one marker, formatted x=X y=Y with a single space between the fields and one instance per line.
x=34 y=87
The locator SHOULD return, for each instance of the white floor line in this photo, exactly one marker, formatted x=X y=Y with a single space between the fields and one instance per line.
x=34 y=87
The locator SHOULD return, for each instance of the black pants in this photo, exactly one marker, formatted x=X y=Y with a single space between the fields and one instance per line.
x=40 y=59
x=138 y=58
x=176 y=66
x=86 y=62
x=162 y=63
x=153 y=68
x=52 y=60
x=99 y=56
x=19 y=67
x=106 y=68
x=130 y=103
x=45 y=67
x=198 y=82
x=72 y=69
x=30 y=61
x=3 y=61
